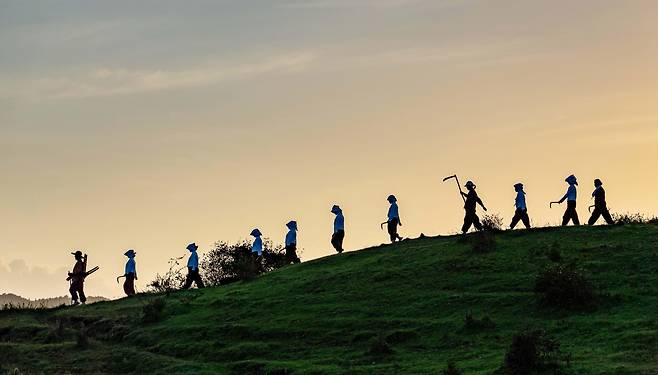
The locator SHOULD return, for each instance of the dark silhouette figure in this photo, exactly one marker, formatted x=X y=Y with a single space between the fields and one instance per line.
x=470 y=206
x=393 y=219
x=521 y=213
x=600 y=205
x=339 y=229
x=291 y=243
x=193 y=268
x=571 y=196
x=77 y=278
x=130 y=273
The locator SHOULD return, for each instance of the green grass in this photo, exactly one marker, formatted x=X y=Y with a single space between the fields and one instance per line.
x=326 y=316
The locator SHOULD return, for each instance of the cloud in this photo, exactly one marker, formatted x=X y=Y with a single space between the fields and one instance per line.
x=109 y=81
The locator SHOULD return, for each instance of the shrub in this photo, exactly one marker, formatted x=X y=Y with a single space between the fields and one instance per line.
x=483 y=241
x=472 y=324
x=633 y=218
x=451 y=369
x=153 y=311
x=170 y=281
x=563 y=286
x=533 y=352
x=492 y=223
x=227 y=263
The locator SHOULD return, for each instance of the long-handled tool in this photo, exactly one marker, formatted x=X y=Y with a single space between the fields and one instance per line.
x=84 y=275
x=461 y=193
x=590 y=208
x=550 y=205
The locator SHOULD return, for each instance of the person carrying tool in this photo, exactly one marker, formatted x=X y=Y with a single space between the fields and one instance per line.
x=193 y=268
x=77 y=278
x=600 y=205
x=521 y=213
x=571 y=196
x=393 y=219
x=339 y=229
x=130 y=273
x=291 y=243
x=470 y=206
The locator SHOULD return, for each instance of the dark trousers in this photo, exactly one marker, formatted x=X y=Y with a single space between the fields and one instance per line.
x=598 y=212
x=570 y=214
x=193 y=276
x=337 y=240
x=129 y=284
x=521 y=215
x=291 y=254
x=393 y=229
x=78 y=289
x=471 y=218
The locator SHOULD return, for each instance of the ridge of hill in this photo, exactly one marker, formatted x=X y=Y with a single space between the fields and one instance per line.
x=392 y=309
x=10 y=300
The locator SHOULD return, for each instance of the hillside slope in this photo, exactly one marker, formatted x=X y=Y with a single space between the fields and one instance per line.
x=327 y=316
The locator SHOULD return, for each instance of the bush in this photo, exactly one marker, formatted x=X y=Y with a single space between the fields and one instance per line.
x=451 y=369
x=483 y=241
x=170 y=281
x=472 y=324
x=534 y=352
x=492 y=223
x=227 y=263
x=153 y=311
x=636 y=218
x=563 y=286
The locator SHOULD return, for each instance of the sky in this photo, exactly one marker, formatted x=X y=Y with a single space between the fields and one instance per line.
x=153 y=124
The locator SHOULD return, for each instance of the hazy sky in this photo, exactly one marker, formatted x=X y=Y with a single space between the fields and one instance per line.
x=153 y=124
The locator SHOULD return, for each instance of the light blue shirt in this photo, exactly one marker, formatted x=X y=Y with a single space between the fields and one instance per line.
x=193 y=262
x=393 y=212
x=130 y=266
x=257 y=246
x=520 y=201
x=572 y=193
x=291 y=238
x=339 y=223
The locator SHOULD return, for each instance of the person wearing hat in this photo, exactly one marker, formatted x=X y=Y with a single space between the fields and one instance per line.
x=393 y=219
x=600 y=205
x=257 y=247
x=193 y=268
x=130 y=273
x=291 y=243
x=521 y=213
x=77 y=278
x=470 y=206
x=571 y=196
x=339 y=229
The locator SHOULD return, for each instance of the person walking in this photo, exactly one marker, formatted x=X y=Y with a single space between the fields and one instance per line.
x=257 y=246
x=77 y=278
x=521 y=213
x=571 y=196
x=600 y=205
x=339 y=229
x=130 y=273
x=193 y=275
x=393 y=219
x=291 y=243
x=470 y=206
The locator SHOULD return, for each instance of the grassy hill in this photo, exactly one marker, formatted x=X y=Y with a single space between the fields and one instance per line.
x=343 y=314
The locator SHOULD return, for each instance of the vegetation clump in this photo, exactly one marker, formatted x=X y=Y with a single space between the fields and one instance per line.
x=483 y=242
x=451 y=369
x=565 y=287
x=492 y=223
x=473 y=324
x=533 y=352
x=153 y=311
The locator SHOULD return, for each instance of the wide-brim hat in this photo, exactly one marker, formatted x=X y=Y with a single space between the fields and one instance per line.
x=391 y=198
x=469 y=184
x=336 y=209
x=256 y=233
x=292 y=225
x=598 y=182
x=192 y=247
x=571 y=180
x=77 y=253
x=130 y=253
x=518 y=186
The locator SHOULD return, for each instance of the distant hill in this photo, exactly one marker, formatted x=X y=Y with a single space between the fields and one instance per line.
x=9 y=299
x=407 y=308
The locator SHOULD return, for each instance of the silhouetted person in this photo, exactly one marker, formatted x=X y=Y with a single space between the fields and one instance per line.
x=600 y=205
x=130 y=273
x=393 y=219
x=470 y=206
x=77 y=278
x=521 y=213
x=257 y=247
x=291 y=243
x=193 y=268
x=339 y=229
x=572 y=194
